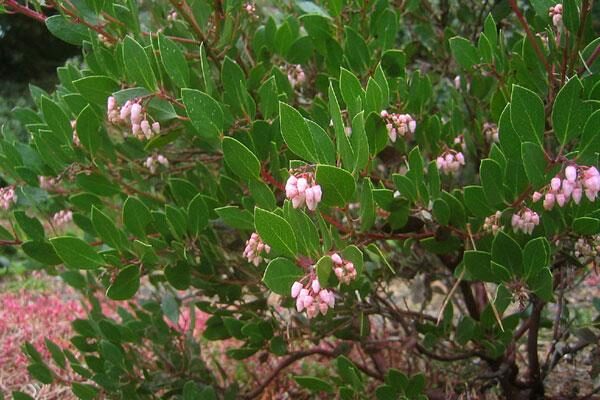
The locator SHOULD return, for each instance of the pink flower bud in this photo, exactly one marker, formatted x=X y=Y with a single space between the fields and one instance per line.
x=537 y=196
x=561 y=199
x=577 y=194
x=549 y=201
x=296 y=288
x=318 y=193
x=555 y=184
x=571 y=173
x=315 y=285
x=156 y=127
x=335 y=257
x=302 y=185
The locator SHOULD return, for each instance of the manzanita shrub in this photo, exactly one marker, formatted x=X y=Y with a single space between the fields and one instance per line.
x=285 y=166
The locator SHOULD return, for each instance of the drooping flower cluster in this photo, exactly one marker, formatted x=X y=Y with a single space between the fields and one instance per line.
x=450 y=162
x=312 y=298
x=154 y=161
x=492 y=223
x=133 y=114
x=490 y=132
x=254 y=248
x=303 y=189
x=555 y=12
x=62 y=217
x=296 y=75
x=577 y=180
x=7 y=196
x=398 y=124
x=344 y=270
x=525 y=221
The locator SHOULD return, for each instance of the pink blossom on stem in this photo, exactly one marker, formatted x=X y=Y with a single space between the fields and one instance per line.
x=255 y=248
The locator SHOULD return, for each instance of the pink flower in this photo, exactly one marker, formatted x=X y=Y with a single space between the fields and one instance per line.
x=571 y=173
x=303 y=190
x=254 y=249
x=296 y=288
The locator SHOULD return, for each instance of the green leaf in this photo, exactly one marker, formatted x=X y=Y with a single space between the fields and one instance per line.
x=236 y=217
x=324 y=267
x=507 y=252
x=478 y=265
x=84 y=391
x=352 y=92
x=107 y=230
x=405 y=186
x=314 y=384
x=30 y=225
x=96 y=88
x=275 y=231
x=42 y=252
x=174 y=61
x=476 y=202
x=21 y=396
x=57 y=120
x=542 y=284
x=491 y=180
x=354 y=254
x=535 y=256
x=66 y=30
x=204 y=112
x=76 y=253
x=441 y=211
x=586 y=226
x=296 y=133
x=535 y=163
x=337 y=185
x=344 y=149
x=240 y=159
x=360 y=143
x=325 y=150
x=136 y=216
x=137 y=64
x=571 y=15
x=126 y=284
x=179 y=275
x=56 y=352
x=97 y=184
x=367 y=206
x=40 y=372
x=262 y=195
x=527 y=114
x=280 y=275
x=569 y=113
x=590 y=140
x=90 y=130
x=198 y=215
x=464 y=52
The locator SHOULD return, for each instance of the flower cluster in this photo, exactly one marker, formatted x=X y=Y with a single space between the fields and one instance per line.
x=555 y=12
x=450 y=162
x=490 y=132
x=296 y=75
x=105 y=40
x=172 y=16
x=154 y=161
x=250 y=8
x=47 y=183
x=254 y=247
x=312 y=298
x=303 y=189
x=398 y=124
x=344 y=270
x=525 y=221
x=62 y=217
x=492 y=223
x=132 y=113
x=587 y=250
x=577 y=181
x=7 y=196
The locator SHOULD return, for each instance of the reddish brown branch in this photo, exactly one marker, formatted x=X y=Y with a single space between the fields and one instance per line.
x=13 y=7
